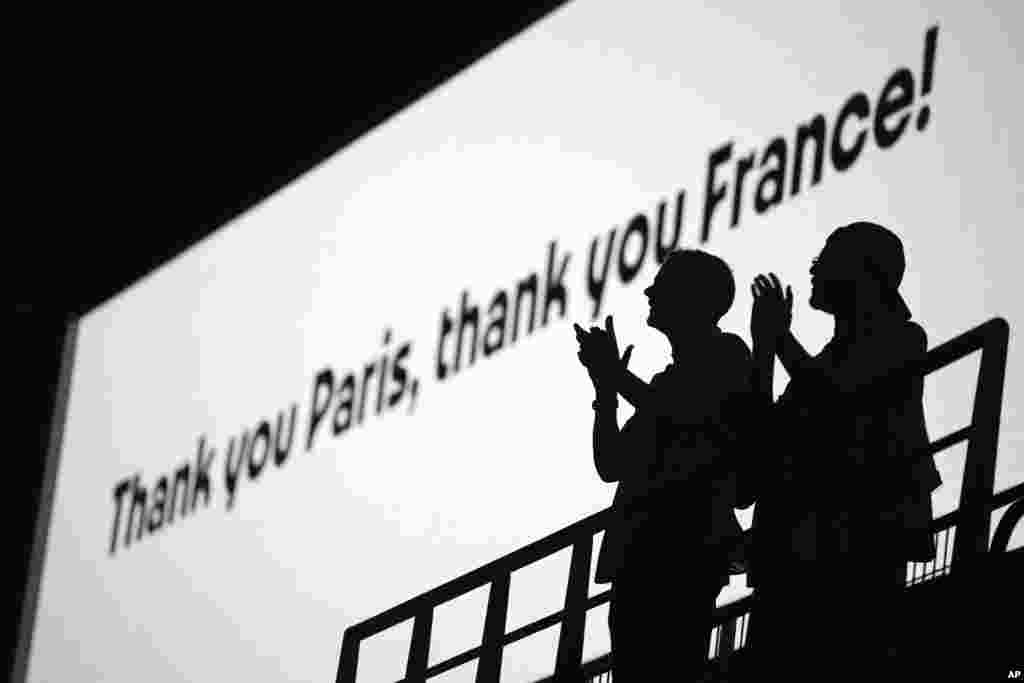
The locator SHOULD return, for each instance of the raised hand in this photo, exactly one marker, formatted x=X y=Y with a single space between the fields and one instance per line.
x=772 y=311
x=609 y=329
x=599 y=354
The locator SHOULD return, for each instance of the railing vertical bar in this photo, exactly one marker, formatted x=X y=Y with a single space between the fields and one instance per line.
x=489 y=667
x=979 y=469
x=419 y=649
x=945 y=552
x=570 y=638
x=726 y=638
x=349 y=656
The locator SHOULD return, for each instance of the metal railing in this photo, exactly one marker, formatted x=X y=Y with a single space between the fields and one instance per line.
x=730 y=622
x=962 y=537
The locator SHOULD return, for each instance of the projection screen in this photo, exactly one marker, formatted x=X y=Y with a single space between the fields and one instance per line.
x=367 y=384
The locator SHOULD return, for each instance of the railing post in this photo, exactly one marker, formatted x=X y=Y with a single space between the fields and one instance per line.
x=419 y=648
x=569 y=664
x=974 y=522
x=349 y=656
x=488 y=667
x=726 y=639
x=1013 y=514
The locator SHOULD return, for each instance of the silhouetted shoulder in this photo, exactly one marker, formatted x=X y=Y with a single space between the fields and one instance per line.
x=878 y=358
x=916 y=336
x=733 y=363
x=909 y=341
x=733 y=347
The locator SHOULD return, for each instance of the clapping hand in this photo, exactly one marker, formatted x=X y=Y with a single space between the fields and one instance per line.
x=599 y=354
x=772 y=311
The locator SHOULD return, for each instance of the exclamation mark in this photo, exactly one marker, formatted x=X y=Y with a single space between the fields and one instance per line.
x=926 y=75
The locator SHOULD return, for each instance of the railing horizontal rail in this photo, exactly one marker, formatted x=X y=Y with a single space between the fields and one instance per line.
x=963 y=345
x=732 y=610
x=1004 y=497
x=533 y=627
x=949 y=440
x=599 y=599
x=452 y=662
x=598 y=666
x=1012 y=517
x=481 y=576
x=1007 y=496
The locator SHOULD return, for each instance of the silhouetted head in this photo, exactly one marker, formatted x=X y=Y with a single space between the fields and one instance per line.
x=861 y=263
x=691 y=291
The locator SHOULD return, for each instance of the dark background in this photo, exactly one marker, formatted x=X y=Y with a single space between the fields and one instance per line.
x=146 y=137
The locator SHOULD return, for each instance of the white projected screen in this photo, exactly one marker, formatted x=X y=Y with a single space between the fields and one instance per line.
x=314 y=442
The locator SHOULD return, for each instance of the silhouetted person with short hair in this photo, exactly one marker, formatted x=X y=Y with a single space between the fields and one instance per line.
x=667 y=548
x=844 y=491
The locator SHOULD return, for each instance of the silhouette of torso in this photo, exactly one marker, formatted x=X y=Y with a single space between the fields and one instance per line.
x=850 y=469
x=664 y=505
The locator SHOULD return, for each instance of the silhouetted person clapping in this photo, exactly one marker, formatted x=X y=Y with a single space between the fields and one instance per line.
x=667 y=548
x=844 y=497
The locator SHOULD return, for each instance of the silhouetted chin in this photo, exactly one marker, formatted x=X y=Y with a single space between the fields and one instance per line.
x=815 y=301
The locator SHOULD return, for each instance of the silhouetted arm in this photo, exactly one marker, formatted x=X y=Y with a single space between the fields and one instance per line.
x=755 y=432
x=607 y=455
x=794 y=357
x=763 y=374
x=634 y=389
x=770 y=318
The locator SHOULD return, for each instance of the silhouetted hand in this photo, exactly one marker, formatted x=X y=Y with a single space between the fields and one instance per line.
x=599 y=353
x=772 y=311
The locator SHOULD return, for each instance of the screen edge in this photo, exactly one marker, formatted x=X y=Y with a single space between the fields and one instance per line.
x=44 y=508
